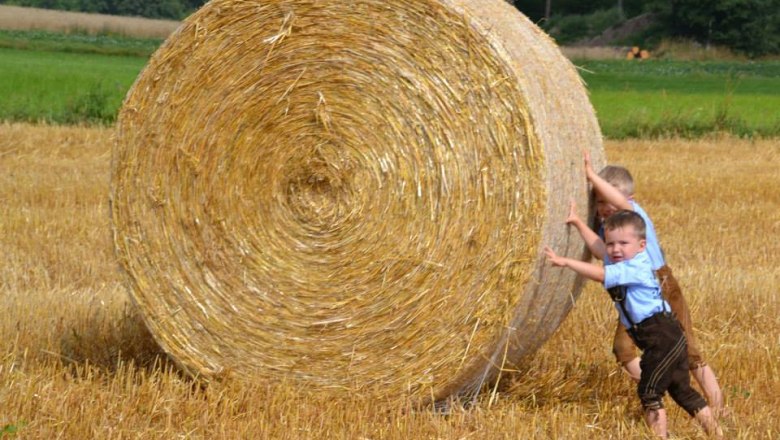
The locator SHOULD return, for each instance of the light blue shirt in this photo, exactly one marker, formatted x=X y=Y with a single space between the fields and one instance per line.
x=643 y=295
x=653 y=249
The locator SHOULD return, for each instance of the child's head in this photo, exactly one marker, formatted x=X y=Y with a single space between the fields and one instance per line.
x=621 y=179
x=618 y=177
x=624 y=235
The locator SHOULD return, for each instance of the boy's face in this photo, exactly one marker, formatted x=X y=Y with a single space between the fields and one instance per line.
x=603 y=208
x=623 y=243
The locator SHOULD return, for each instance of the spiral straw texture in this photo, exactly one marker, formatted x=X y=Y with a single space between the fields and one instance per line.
x=352 y=193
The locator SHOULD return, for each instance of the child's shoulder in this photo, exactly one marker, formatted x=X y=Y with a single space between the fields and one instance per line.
x=641 y=265
x=640 y=262
x=642 y=259
x=636 y=271
x=639 y=210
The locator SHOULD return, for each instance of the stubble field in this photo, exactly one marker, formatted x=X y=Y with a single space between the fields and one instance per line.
x=76 y=362
x=22 y=18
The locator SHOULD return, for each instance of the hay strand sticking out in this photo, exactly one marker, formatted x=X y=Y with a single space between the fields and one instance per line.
x=353 y=194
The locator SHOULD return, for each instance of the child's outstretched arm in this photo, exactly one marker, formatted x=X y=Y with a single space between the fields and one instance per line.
x=601 y=186
x=588 y=270
x=592 y=240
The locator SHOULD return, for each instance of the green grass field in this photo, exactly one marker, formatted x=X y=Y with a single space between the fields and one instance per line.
x=71 y=79
x=104 y=44
x=62 y=87
x=688 y=98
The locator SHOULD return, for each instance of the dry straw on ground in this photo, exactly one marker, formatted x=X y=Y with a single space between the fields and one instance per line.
x=353 y=194
x=72 y=360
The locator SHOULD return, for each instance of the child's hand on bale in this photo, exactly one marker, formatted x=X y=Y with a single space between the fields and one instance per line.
x=573 y=218
x=588 y=166
x=553 y=258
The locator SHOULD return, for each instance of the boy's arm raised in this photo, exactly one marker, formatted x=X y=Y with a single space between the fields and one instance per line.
x=592 y=240
x=601 y=186
x=588 y=270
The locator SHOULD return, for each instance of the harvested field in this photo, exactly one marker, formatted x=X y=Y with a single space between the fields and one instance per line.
x=19 y=18
x=75 y=361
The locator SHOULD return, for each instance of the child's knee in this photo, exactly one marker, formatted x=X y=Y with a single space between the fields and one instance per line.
x=695 y=362
x=689 y=400
x=623 y=349
x=633 y=369
x=651 y=401
x=695 y=358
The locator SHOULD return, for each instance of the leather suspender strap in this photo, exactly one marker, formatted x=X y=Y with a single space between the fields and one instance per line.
x=618 y=294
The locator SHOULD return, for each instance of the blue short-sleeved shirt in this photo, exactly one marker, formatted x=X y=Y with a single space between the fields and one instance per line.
x=653 y=248
x=643 y=295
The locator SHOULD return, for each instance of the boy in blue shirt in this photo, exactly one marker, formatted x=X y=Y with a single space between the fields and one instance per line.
x=613 y=188
x=629 y=278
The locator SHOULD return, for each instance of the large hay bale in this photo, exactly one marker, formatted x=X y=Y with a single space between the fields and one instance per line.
x=353 y=194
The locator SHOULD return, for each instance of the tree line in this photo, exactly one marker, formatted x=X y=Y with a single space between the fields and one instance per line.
x=748 y=26
x=161 y=9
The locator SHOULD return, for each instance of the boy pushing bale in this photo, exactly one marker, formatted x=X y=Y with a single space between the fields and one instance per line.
x=352 y=194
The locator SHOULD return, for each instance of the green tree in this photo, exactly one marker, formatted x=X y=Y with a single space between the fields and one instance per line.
x=170 y=9
x=536 y=9
x=748 y=26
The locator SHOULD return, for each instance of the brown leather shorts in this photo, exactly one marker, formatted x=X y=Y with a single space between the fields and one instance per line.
x=625 y=349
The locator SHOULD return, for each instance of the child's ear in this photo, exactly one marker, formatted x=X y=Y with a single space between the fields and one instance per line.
x=642 y=244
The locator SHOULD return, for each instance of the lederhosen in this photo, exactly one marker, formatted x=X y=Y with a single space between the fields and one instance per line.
x=664 y=361
x=618 y=295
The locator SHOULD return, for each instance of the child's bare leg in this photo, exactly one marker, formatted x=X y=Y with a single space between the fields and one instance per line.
x=632 y=369
x=706 y=379
x=656 y=420
x=625 y=352
x=707 y=421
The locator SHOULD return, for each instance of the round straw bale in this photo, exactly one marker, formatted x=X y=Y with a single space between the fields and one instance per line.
x=352 y=194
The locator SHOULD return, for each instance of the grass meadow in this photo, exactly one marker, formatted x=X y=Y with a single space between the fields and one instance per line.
x=76 y=362
x=64 y=87
x=655 y=98
x=78 y=78
x=47 y=41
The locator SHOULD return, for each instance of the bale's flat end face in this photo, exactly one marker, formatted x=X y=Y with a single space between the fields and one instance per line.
x=353 y=195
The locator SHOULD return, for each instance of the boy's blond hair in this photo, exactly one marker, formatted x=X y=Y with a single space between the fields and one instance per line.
x=618 y=177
